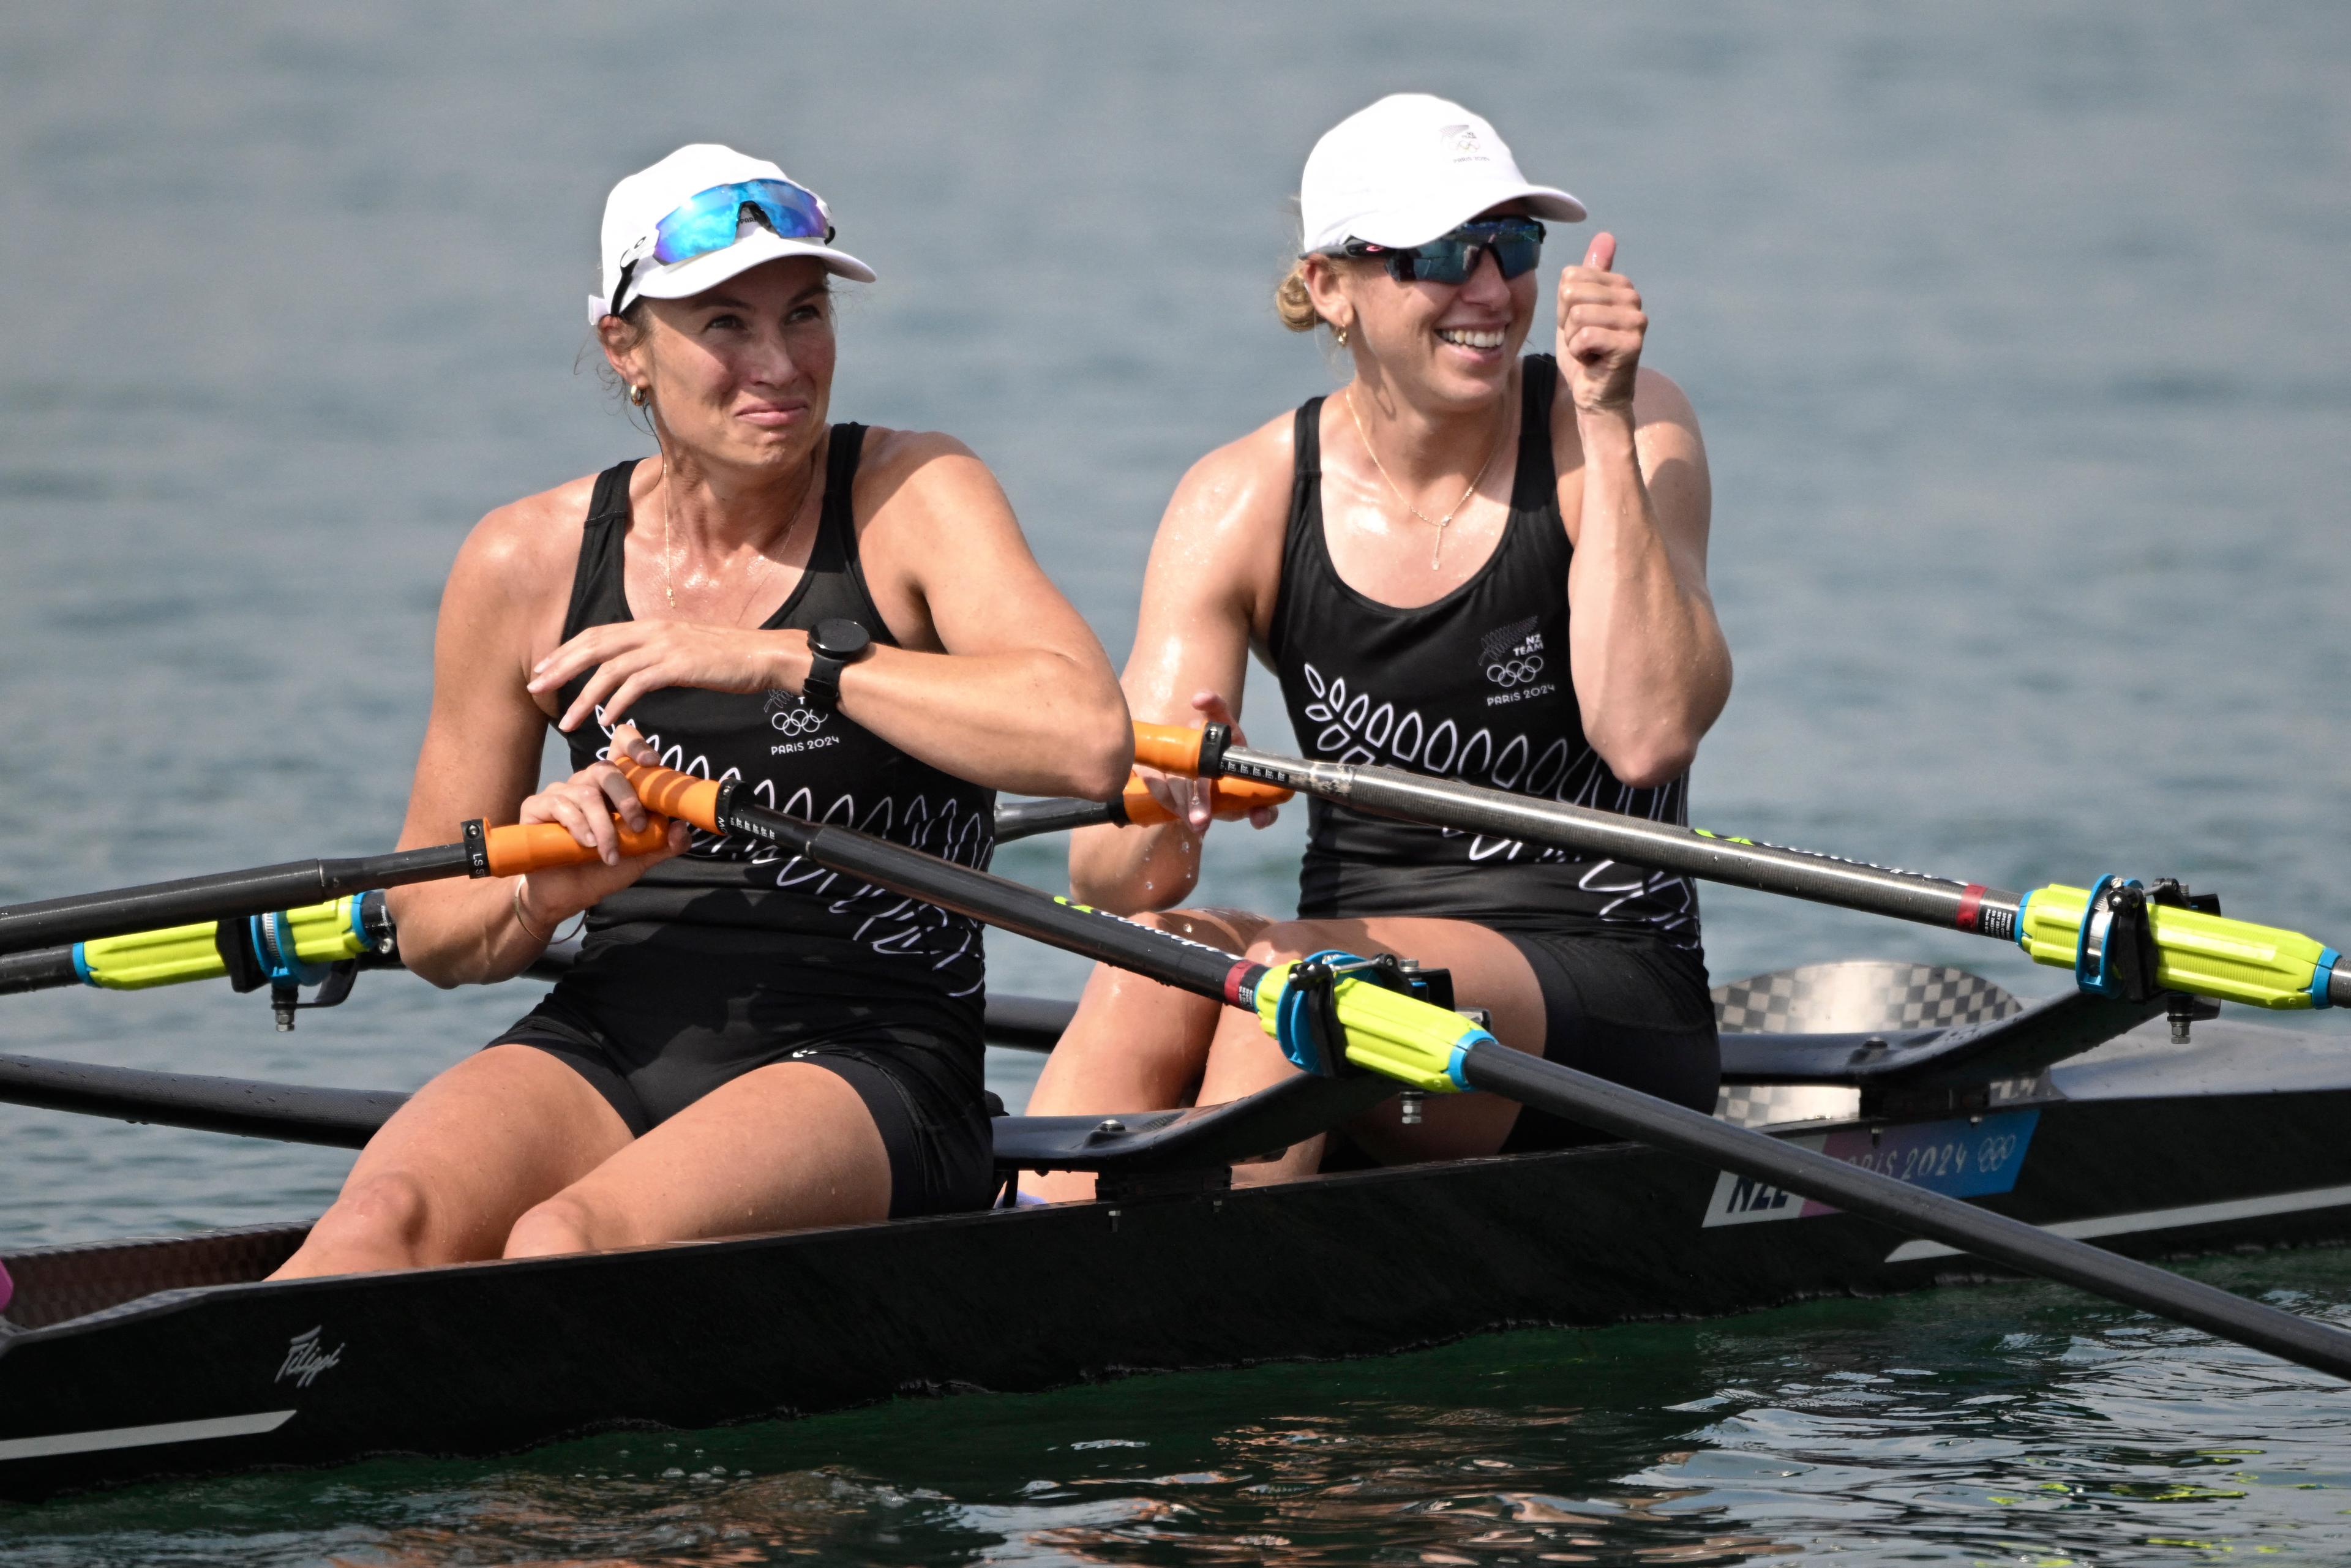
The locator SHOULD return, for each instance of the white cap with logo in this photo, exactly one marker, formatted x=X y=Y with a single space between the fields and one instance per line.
x=638 y=204
x=1409 y=169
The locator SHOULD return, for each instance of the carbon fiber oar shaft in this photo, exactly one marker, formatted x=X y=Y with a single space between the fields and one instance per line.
x=231 y=895
x=2188 y=947
x=1738 y=863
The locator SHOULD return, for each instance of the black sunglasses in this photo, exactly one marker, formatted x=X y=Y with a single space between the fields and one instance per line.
x=1516 y=244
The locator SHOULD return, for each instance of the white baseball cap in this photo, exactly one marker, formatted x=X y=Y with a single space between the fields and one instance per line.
x=1409 y=169
x=634 y=212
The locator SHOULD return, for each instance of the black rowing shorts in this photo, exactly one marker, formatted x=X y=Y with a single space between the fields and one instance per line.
x=921 y=1088
x=1632 y=1009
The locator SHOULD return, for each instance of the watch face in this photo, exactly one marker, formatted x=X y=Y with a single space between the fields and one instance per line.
x=839 y=639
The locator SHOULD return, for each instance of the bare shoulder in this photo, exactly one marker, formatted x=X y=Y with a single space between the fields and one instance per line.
x=526 y=547
x=893 y=458
x=1217 y=554
x=1239 y=491
x=910 y=479
x=887 y=450
x=1658 y=398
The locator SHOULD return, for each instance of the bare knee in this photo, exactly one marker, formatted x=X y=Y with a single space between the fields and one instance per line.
x=1111 y=986
x=387 y=1210
x=381 y=1222
x=564 y=1223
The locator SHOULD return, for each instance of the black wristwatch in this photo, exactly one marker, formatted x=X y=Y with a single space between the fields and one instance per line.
x=837 y=644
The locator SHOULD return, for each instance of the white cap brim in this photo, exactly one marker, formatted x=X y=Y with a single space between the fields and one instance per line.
x=679 y=280
x=1404 y=226
x=1423 y=222
x=697 y=275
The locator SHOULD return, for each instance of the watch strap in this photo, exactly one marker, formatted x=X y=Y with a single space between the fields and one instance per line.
x=833 y=645
x=821 y=690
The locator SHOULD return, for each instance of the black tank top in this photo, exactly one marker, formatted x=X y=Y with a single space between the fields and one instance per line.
x=1474 y=686
x=736 y=915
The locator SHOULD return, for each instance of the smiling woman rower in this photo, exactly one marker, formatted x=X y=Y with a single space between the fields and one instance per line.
x=745 y=1043
x=1466 y=564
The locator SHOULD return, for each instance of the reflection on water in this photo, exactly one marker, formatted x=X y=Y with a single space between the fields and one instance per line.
x=2003 y=1425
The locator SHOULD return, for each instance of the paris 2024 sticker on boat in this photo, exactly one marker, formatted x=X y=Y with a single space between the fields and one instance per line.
x=1963 y=1157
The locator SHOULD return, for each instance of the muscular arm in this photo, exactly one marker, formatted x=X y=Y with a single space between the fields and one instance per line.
x=1652 y=670
x=1205 y=594
x=1001 y=681
x=480 y=751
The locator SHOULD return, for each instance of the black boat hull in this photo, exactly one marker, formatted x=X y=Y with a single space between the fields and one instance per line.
x=491 y=1357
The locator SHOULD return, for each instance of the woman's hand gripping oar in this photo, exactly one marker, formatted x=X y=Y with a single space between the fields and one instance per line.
x=357 y=925
x=511 y=850
x=1333 y=1014
x=2120 y=939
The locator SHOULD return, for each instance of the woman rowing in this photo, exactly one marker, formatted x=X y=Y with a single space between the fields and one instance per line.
x=845 y=619
x=1467 y=564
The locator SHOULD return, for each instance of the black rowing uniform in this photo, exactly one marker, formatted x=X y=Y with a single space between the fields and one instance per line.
x=1475 y=686
x=734 y=955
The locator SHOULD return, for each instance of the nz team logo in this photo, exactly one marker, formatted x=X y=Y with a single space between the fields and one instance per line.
x=790 y=718
x=1512 y=655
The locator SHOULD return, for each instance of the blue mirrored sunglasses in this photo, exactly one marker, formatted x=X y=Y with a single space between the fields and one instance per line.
x=1516 y=244
x=710 y=219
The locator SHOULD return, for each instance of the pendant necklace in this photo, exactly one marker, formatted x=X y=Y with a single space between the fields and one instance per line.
x=1436 y=551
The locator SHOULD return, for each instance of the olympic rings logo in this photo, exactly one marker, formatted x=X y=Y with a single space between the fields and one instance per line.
x=797 y=721
x=1514 y=672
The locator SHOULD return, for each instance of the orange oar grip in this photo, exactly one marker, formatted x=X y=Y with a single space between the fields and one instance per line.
x=673 y=794
x=1142 y=808
x=1168 y=747
x=522 y=847
x=1240 y=797
x=1235 y=798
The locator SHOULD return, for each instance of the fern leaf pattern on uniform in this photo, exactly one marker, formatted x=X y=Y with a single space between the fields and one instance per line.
x=889 y=923
x=1359 y=728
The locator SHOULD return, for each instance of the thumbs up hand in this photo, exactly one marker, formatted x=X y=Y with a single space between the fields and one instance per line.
x=1600 y=325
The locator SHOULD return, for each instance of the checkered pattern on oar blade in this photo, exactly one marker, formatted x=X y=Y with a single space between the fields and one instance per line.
x=1830 y=999
x=1858 y=994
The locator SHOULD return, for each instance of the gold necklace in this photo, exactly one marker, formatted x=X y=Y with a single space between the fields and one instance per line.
x=1436 y=551
x=669 y=583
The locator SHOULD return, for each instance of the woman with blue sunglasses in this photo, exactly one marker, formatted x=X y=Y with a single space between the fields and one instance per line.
x=1467 y=563
x=745 y=1042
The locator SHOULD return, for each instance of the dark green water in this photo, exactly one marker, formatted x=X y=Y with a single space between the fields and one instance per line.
x=2000 y=1424
x=2019 y=337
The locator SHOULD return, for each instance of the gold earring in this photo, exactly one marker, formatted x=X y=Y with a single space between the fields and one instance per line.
x=637 y=395
x=1341 y=333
